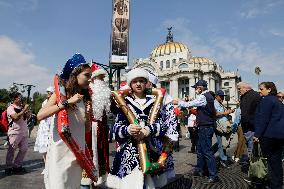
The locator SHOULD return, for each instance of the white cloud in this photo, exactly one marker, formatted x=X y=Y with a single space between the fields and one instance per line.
x=253 y=8
x=22 y=5
x=18 y=65
x=277 y=32
x=231 y=53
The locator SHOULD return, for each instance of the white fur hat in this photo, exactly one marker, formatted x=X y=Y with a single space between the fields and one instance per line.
x=137 y=72
x=50 y=89
x=98 y=72
x=153 y=78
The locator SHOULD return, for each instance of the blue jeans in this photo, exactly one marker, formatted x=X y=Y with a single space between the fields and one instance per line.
x=219 y=147
x=249 y=140
x=205 y=155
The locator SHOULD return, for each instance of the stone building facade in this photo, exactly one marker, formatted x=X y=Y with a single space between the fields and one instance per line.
x=178 y=70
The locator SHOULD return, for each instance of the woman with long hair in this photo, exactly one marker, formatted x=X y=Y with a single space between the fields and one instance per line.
x=269 y=132
x=62 y=169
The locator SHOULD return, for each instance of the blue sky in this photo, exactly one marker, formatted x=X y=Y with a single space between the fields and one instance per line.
x=38 y=36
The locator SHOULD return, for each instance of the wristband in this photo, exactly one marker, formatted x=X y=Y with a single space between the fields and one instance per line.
x=65 y=103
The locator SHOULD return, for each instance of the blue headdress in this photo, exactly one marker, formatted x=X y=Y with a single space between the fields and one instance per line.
x=76 y=60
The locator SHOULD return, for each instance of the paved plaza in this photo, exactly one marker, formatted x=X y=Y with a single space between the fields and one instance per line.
x=184 y=162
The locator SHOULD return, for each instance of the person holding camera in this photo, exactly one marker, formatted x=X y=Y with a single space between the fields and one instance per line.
x=17 y=135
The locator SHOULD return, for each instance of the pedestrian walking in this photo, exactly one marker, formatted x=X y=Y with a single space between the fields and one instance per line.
x=248 y=102
x=192 y=129
x=205 y=119
x=17 y=135
x=269 y=118
x=223 y=135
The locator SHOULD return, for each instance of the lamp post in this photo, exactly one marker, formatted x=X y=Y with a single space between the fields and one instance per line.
x=111 y=69
x=227 y=98
x=24 y=88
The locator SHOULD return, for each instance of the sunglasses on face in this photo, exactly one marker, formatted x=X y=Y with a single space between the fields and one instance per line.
x=282 y=97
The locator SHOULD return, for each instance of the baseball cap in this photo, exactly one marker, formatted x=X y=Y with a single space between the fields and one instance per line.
x=220 y=93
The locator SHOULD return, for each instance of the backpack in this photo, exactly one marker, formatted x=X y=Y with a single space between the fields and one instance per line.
x=5 y=122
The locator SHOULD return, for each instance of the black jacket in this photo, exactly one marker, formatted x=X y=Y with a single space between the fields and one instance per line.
x=248 y=104
x=269 y=118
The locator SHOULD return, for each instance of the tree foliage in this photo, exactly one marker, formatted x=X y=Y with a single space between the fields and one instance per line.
x=35 y=102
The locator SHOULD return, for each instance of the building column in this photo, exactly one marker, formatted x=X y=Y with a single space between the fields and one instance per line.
x=212 y=84
x=174 y=88
x=207 y=79
x=192 y=82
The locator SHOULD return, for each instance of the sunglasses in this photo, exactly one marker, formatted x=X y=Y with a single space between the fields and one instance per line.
x=280 y=97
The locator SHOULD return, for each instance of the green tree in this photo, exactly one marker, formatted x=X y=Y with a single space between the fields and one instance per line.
x=38 y=99
x=4 y=99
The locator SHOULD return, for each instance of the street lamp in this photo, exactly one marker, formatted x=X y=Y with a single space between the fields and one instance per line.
x=24 y=88
x=111 y=69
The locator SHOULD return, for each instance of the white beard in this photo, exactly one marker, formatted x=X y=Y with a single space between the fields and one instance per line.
x=100 y=99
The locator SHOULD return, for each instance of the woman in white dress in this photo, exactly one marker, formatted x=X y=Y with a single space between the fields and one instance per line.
x=62 y=168
x=43 y=132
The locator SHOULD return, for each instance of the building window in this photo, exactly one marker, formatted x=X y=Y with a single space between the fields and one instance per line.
x=161 y=64
x=183 y=66
x=174 y=61
x=226 y=84
x=168 y=64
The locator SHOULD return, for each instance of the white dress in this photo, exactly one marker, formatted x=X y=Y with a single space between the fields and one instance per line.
x=43 y=133
x=62 y=168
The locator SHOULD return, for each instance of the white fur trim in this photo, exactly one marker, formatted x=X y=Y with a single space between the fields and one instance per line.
x=134 y=180
x=94 y=145
x=173 y=137
x=98 y=72
x=137 y=72
x=124 y=87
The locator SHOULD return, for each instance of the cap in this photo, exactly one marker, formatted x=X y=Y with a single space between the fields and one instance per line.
x=201 y=82
x=50 y=89
x=220 y=93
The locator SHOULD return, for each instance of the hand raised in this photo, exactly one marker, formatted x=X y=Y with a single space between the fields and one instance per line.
x=76 y=98
x=26 y=107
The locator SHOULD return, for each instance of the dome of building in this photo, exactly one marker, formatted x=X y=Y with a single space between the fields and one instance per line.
x=200 y=60
x=169 y=48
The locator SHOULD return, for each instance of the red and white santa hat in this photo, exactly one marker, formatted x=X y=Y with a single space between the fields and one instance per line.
x=96 y=71
x=123 y=86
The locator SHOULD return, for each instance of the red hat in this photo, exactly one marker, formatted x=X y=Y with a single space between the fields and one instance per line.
x=96 y=71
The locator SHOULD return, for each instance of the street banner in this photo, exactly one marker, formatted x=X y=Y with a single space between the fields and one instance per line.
x=120 y=33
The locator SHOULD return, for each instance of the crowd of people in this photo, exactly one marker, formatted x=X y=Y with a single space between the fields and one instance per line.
x=258 y=119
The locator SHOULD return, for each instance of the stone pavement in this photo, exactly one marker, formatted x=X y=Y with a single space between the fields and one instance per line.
x=184 y=161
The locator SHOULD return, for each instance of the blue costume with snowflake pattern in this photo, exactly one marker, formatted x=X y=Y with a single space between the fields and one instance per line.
x=127 y=157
